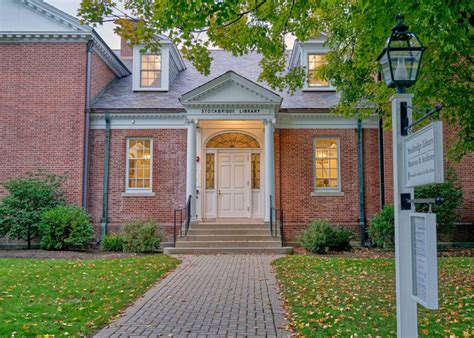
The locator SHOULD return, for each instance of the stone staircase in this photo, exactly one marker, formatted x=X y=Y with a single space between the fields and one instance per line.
x=224 y=238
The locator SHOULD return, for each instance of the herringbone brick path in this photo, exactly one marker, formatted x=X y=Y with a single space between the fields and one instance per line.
x=208 y=296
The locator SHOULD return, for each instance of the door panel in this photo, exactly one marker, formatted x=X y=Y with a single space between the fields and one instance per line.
x=233 y=185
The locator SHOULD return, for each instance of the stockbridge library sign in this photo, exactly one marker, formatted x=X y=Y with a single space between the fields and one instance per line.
x=424 y=156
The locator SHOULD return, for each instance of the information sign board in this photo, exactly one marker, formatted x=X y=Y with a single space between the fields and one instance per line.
x=424 y=259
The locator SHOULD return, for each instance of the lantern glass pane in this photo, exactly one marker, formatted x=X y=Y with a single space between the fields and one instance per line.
x=385 y=69
x=405 y=65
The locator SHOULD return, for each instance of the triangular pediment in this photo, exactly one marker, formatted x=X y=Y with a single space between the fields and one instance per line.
x=230 y=89
x=37 y=16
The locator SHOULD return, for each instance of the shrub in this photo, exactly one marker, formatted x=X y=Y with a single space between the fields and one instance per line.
x=141 y=236
x=28 y=197
x=382 y=228
x=446 y=215
x=320 y=236
x=113 y=243
x=65 y=227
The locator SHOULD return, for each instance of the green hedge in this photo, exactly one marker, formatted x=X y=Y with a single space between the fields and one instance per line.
x=113 y=243
x=141 y=236
x=65 y=227
x=320 y=237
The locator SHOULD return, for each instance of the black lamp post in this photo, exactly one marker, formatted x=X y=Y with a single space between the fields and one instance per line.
x=400 y=60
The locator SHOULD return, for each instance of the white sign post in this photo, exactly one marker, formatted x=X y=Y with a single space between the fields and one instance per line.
x=407 y=321
x=424 y=259
x=424 y=156
x=417 y=160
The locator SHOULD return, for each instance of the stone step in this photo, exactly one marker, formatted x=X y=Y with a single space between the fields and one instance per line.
x=200 y=231
x=226 y=244
x=222 y=238
x=229 y=250
x=229 y=226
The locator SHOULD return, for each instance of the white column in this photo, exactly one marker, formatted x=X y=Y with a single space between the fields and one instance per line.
x=269 y=167
x=191 y=166
x=406 y=307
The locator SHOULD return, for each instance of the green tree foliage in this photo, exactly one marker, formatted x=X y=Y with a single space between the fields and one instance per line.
x=28 y=198
x=356 y=33
x=65 y=227
x=446 y=213
x=382 y=228
x=141 y=236
x=320 y=236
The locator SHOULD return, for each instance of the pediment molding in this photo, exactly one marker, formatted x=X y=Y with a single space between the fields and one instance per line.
x=230 y=90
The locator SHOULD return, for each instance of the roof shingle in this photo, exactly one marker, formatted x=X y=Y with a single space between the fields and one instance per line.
x=121 y=96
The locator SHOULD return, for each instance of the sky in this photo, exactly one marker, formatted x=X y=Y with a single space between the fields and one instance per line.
x=105 y=31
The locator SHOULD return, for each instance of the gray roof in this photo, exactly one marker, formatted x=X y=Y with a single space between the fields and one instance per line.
x=121 y=96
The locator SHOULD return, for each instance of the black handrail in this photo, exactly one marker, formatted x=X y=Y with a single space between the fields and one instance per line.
x=278 y=221
x=187 y=220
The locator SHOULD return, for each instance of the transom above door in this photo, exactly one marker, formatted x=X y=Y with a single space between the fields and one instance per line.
x=232 y=176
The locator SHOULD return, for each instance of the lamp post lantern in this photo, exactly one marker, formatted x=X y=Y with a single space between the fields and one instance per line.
x=401 y=58
x=400 y=64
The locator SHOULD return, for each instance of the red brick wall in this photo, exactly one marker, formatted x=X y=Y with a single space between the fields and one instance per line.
x=126 y=52
x=101 y=75
x=42 y=93
x=297 y=179
x=169 y=178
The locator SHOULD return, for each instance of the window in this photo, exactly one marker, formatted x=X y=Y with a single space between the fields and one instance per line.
x=150 y=70
x=315 y=61
x=232 y=140
x=255 y=171
x=326 y=160
x=210 y=171
x=139 y=164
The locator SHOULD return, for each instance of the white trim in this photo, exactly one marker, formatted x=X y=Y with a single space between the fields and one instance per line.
x=326 y=191
x=138 y=191
x=321 y=121
x=194 y=98
x=138 y=194
x=140 y=121
x=165 y=69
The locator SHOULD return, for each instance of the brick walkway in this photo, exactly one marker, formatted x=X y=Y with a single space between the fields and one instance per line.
x=208 y=296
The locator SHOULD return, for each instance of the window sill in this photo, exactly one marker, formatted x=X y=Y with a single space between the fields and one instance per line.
x=138 y=194
x=327 y=193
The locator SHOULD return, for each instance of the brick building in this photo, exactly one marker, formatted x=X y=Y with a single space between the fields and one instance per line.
x=138 y=133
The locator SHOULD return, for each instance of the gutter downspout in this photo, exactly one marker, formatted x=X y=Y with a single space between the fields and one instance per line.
x=381 y=165
x=280 y=170
x=85 y=176
x=105 y=194
x=360 y=167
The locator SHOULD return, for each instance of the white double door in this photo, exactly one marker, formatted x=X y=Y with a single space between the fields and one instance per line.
x=233 y=184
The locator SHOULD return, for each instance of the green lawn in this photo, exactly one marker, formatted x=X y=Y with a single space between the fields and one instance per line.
x=72 y=297
x=347 y=296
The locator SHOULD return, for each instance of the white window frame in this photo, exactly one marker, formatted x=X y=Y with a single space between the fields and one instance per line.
x=165 y=69
x=159 y=70
x=307 y=73
x=314 y=49
x=129 y=190
x=327 y=190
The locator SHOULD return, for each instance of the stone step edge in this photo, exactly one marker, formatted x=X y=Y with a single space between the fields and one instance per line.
x=246 y=250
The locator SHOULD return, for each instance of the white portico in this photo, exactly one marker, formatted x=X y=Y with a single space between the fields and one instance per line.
x=230 y=170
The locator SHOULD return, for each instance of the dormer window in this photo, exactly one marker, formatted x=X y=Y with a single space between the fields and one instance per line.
x=315 y=61
x=150 y=70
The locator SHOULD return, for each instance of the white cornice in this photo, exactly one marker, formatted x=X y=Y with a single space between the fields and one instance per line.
x=321 y=121
x=140 y=121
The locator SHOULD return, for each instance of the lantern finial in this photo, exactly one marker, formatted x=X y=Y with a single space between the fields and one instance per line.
x=400 y=27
